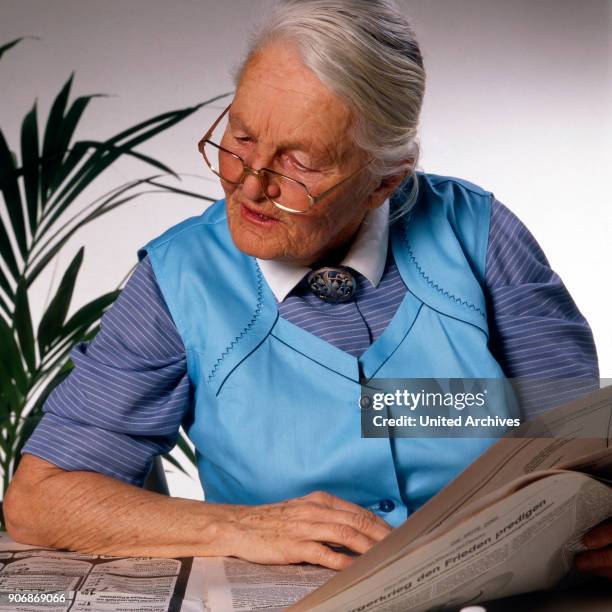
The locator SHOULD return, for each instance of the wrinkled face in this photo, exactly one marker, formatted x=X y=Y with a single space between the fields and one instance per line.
x=284 y=118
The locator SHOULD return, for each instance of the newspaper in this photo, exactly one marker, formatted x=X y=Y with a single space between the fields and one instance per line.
x=489 y=487
x=34 y=579
x=524 y=541
x=520 y=544
x=235 y=585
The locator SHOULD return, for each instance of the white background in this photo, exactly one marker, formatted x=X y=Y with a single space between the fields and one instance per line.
x=519 y=101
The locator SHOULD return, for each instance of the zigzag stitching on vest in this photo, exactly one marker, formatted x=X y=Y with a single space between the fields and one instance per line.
x=431 y=283
x=246 y=329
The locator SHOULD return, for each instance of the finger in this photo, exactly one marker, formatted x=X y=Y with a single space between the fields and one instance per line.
x=599 y=536
x=337 y=503
x=319 y=554
x=332 y=501
x=341 y=534
x=363 y=522
x=600 y=559
x=329 y=531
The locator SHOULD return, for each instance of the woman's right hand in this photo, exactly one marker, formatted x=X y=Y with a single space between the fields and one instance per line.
x=297 y=530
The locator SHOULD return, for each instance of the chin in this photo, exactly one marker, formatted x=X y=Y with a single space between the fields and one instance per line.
x=252 y=245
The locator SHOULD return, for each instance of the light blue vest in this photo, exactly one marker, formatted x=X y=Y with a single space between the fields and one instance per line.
x=276 y=409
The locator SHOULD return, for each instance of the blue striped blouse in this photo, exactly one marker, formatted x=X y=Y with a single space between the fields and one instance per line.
x=129 y=391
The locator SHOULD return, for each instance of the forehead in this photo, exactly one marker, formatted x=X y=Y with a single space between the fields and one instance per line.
x=279 y=97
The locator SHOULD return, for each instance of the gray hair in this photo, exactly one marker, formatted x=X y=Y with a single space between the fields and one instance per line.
x=366 y=52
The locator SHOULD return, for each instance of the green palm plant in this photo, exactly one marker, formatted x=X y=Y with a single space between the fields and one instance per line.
x=40 y=192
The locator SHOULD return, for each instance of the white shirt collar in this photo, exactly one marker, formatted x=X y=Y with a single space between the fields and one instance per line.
x=367 y=255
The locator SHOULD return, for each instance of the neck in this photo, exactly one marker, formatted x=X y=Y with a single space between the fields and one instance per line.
x=333 y=257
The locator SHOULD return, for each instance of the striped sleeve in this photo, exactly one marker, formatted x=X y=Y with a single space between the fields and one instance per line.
x=127 y=395
x=537 y=331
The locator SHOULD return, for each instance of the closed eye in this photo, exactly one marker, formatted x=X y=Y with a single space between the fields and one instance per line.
x=304 y=168
x=301 y=167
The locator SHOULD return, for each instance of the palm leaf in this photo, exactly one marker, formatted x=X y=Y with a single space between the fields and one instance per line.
x=61 y=159
x=30 y=166
x=10 y=398
x=187 y=451
x=4 y=306
x=118 y=151
x=98 y=162
x=170 y=115
x=101 y=159
x=48 y=251
x=168 y=457
x=37 y=249
x=75 y=155
x=52 y=155
x=54 y=173
x=10 y=358
x=23 y=325
x=12 y=199
x=4 y=48
x=8 y=257
x=4 y=282
x=55 y=315
x=6 y=250
x=191 y=194
x=53 y=250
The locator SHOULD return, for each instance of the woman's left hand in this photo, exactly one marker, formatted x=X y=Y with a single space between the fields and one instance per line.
x=598 y=559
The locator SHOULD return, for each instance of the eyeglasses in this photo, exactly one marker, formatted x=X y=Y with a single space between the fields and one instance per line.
x=284 y=192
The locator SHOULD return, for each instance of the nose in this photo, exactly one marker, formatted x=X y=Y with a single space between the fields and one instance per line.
x=252 y=182
x=251 y=186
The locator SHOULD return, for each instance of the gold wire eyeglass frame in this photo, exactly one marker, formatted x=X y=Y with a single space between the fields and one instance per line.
x=312 y=199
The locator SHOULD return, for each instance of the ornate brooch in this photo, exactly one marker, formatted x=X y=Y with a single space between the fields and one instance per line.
x=332 y=284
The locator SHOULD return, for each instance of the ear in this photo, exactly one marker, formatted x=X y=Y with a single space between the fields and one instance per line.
x=386 y=186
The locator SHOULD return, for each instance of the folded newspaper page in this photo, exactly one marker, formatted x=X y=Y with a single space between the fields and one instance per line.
x=33 y=579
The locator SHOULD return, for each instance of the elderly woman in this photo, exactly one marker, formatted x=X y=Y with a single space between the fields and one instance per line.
x=330 y=261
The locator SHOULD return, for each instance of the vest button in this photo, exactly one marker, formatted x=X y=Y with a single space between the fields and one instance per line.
x=386 y=505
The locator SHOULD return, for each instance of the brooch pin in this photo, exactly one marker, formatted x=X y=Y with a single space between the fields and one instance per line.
x=332 y=284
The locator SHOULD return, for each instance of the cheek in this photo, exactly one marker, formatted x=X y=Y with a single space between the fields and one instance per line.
x=231 y=207
x=228 y=190
x=312 y=233
x=233 y=213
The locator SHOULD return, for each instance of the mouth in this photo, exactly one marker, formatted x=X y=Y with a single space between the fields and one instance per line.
x=256 y=217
